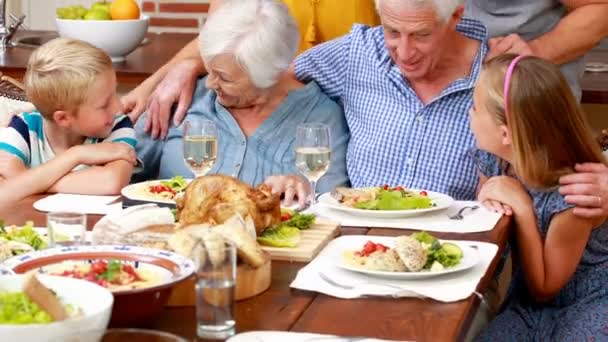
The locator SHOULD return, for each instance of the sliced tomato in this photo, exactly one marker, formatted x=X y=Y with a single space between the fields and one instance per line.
x=424 y=193
x=99 y=267
x=285 y=217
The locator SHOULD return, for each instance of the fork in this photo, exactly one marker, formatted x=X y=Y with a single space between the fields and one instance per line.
x=355 y=286
x=459 y=216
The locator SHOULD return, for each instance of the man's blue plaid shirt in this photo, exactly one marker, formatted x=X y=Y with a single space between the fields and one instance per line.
x=395 y=138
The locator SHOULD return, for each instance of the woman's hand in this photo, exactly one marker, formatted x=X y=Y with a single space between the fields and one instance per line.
x=505 y=195
x=587 y=189
x=291 y=186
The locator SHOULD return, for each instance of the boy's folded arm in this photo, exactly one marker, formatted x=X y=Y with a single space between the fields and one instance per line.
x=19 y=182
x=106 y=179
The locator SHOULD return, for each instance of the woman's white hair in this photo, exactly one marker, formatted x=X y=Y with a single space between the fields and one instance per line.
x=261 y=34
x=444 y=8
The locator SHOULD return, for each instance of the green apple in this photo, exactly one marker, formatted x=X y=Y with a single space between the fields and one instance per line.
x=67 y=13
x=104 y=5
x=80 y=11
x=97 y=14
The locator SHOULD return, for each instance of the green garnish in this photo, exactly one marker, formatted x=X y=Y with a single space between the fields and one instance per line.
x=112 y=271
x=177 y=183
x=280 y=236
x=298 y=220
x=447 y=254
x=396 y=200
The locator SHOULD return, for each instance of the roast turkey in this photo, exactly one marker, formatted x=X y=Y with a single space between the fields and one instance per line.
x=214 y=199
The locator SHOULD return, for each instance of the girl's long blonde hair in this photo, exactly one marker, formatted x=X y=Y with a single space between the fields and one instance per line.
x=549 y=130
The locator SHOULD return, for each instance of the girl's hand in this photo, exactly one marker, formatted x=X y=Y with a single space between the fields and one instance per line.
x=505 y=195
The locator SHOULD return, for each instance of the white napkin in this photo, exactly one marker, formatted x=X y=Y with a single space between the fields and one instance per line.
x=282 y=336
x=86 y=204
x=479 y=220
x=445 y=288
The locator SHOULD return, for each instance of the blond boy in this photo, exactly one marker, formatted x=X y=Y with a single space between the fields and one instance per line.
x=74 y=142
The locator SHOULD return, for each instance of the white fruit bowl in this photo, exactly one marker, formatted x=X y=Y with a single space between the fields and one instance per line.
x=116 y=37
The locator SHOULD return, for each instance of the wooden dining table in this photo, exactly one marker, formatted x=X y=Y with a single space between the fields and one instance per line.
x=286 y=309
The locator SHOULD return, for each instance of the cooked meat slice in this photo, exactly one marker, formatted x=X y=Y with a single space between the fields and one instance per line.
x=383 y=261
x=411 y=253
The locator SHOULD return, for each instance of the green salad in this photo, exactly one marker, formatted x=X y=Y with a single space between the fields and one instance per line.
x=396 y=199
x=439 y=255
x=17 y=308
x=287 y=233
x=24 y=234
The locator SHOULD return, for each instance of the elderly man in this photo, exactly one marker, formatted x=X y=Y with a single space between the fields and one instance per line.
x=423 y=99
x=406 y=88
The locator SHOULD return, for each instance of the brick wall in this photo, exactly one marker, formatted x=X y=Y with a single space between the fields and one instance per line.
x=175 y=15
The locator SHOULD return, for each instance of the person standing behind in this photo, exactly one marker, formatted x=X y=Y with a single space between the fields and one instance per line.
x=75 y=135
x=323 y=20
x=521 y=107
x=559 y=31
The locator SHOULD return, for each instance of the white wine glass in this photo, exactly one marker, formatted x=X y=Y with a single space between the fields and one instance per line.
x=200 y=146
x=313 y=153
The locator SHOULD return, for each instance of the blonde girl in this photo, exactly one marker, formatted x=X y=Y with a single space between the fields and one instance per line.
x=530 y=131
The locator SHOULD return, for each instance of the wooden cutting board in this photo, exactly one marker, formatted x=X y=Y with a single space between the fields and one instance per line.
x=249 y=282
x=312 y=241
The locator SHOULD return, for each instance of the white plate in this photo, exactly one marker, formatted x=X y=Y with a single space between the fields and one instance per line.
x=441 y=201
x=134 y=191
x=469 y=259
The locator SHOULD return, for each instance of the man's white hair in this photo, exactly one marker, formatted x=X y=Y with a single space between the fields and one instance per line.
x=444 y=8
x=261 y=34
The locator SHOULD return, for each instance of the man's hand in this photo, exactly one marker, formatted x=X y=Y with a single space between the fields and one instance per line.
x=291 y=186
x=103 y=153
x=512 y=43
x=587 y=189
x=177 y=87
x=134 y=103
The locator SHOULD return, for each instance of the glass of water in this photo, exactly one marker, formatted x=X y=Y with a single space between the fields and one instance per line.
x=215 y=289
x=200 y=145
x=313 y=153
x=66 y=228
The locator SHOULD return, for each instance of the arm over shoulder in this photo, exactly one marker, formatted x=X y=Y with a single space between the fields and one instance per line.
x=325 y=64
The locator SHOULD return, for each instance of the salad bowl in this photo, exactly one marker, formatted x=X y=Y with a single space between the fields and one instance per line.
x=144 y=277
x=93 y=301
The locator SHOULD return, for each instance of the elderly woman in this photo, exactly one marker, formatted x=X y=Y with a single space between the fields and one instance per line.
x=247 y=47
